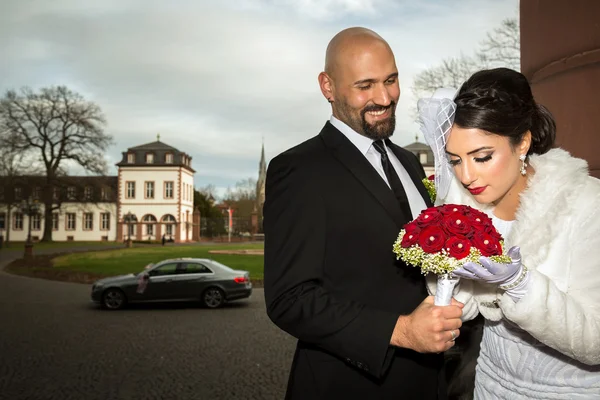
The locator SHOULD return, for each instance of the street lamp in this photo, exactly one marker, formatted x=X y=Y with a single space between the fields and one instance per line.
x=29 y=208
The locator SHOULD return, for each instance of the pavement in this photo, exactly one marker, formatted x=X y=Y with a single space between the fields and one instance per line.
x=55 y=344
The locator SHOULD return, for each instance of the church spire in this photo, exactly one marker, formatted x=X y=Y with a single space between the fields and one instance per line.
x=262 y=179
x=262 y=166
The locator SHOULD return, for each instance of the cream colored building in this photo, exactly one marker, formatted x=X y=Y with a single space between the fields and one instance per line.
x=155 y=184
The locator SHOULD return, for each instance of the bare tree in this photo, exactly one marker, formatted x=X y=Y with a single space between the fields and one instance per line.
x=244 y=190
x=500 y=48
x=58 y=126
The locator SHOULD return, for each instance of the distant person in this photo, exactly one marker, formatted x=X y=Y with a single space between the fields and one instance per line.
x=164 y=239
x=335 y=204
x=541 y=338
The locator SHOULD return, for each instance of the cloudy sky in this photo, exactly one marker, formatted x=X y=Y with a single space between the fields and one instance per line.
x=216 y=78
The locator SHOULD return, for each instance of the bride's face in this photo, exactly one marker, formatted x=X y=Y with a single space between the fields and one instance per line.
x=486 y=164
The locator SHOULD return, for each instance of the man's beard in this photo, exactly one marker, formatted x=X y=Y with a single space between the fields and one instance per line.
x=380 y=130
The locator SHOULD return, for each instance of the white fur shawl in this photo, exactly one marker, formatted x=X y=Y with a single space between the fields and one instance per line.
x=558 y=229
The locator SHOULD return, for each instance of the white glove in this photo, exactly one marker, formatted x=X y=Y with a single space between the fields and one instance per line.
x=513 y=278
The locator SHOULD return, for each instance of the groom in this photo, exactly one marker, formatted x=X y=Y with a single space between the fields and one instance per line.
x=365 y=326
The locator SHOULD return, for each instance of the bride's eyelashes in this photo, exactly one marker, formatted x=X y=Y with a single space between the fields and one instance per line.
x=454 y=163
x=484 y=159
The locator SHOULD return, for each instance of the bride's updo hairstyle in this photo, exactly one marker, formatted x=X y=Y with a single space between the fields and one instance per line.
x=499 y=101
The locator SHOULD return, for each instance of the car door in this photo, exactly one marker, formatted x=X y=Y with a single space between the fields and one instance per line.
x=197 y=277
x=161 y=284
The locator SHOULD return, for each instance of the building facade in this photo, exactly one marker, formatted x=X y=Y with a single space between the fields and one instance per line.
x=152 y=196
x=424 y=154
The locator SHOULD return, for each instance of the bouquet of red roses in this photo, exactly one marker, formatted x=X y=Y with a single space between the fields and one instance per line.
x=443 y=238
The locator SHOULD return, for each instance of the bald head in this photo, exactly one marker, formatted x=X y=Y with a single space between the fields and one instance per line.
x=349 y=42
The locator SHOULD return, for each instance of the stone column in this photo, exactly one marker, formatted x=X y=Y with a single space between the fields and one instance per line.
x=560 y=55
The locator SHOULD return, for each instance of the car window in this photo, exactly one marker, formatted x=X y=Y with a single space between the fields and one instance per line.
x=196 y=268
x=225 y=267
x=166 y=269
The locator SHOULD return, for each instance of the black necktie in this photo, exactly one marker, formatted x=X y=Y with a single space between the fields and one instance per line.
x=393 y=179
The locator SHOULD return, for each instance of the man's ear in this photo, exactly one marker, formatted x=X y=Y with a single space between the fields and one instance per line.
x=326 y=85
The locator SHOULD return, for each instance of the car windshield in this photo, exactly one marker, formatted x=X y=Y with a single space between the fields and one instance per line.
x=218 y=264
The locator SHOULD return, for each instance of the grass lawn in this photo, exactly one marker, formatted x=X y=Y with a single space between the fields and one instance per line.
x=124 y=261
x=57 y=245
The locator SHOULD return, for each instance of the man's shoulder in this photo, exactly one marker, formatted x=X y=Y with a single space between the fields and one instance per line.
x=307 y=152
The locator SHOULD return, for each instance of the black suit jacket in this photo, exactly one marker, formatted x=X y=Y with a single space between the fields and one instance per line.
x=331 y=278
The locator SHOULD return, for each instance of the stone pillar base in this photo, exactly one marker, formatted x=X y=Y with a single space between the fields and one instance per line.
x=28 y=253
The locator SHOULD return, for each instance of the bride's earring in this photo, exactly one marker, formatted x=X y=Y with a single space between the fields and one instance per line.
x=522 y=157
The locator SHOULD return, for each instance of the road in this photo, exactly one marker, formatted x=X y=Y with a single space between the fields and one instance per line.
x=55 y=344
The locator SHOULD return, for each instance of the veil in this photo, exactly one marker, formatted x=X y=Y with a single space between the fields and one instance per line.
x=436 y=115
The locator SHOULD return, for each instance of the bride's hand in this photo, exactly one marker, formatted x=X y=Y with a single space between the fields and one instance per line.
x=512 y=277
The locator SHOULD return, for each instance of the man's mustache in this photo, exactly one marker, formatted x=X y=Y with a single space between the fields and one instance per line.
x=378 y=108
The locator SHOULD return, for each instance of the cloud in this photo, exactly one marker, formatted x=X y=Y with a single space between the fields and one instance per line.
x=216 y=78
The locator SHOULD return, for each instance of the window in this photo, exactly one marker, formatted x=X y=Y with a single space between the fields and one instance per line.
x=149 y=190
x=149 y=226
x=130 y=190
x=149 y=158
x=1 y=193
x=88 y=221
x=169 y=158
x=36 y=222
x=18 y=193
x=37 y=193
x=195 y=268
x=105 y=221
x=169 y=221
x=130 y=158
x=70 y=222
x=55 y=221
x=2 y=221
x=423 y=158
x=104 y=194
x=71 y=193
x=87 y=193
x=167 y=269
x=55 y=193
x=169 y=190
x=18 y=221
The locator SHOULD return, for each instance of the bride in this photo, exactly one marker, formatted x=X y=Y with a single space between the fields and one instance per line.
x=495 y=152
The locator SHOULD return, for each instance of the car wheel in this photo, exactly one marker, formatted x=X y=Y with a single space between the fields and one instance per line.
x=213 y=297
x=113 y=299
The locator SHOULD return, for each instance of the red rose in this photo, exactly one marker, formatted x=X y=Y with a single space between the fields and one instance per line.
x=428 y=217
x=432 y=239
x=447 y=209
x=431 y=177
x=491 y=230
x=486 y=244
x=456 y=224
x=480 y=221
x=458 y=248
x=411 y=235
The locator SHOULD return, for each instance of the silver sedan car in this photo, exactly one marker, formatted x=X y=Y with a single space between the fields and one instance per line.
x=176 y=279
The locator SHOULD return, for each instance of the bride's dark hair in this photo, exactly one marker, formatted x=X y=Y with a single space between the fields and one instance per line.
x=500 y=101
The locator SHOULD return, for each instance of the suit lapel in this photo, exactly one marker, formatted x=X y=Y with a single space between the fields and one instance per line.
x=412 y=170
x=345 y=152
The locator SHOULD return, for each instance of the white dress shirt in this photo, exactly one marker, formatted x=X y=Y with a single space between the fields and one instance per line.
x=365 y=146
